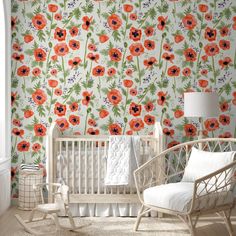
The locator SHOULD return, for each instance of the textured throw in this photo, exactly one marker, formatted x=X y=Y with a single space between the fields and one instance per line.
x=123 y=159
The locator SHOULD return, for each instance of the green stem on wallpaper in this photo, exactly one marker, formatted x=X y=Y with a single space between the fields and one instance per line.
x=235 y=59
x=214 y=71
x=14 y=72
x=89 y=73
x=85 y=127
x=212 y=133
x=163 y=74
x=14 y=147
x=221 y=17
x=201 y=26
x=50 y=102
x=85 y=51
x=65 y=2
x=24 y=87
x=140 y=4
x=126 y=99
x=139 y=72
x=126 y=24
x=122 y=62
x=63 y=68
x=47 y=62
x=174 y=86
x=159 y=60
x=50 y=31
x=197 y=64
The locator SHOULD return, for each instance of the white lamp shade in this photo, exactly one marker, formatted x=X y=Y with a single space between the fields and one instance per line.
x=201 y=104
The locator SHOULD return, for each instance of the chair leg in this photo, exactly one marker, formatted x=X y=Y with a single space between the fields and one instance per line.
x=56 y=221
x=189 y=221
x=31 y=216
x=226 y=217
x=138 y=218
x=72 y=222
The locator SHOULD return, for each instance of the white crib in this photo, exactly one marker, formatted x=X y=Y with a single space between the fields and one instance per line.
x=80 y=162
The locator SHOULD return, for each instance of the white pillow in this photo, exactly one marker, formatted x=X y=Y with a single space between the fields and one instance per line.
x=202 y=163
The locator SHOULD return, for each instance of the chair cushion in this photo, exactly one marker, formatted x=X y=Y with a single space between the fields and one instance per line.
x=202 y=163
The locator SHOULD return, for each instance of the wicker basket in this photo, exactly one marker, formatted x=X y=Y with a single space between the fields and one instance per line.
x=27 y=178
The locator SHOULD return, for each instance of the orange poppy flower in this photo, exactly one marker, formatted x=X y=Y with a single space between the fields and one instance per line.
x=128 y=83
x=186 y=72
x=52 y=8
x=189 y=21
x=149 y=106
x=128 y=8
x=133 y=92
x=224 y=44
x=61 y=49
x=178 y=113
x=224 y=31
x=92 y=122
x=173 y=71
x=39 y=97
x=168 y=57
x=211 y=49
x=190 y=54
x=59 y=109
x=74 y=120
x=74 y=31
x=28 y=113
x=58 y=16
x=52 y=83
x=40 y=54
x=39 y=130
x=74 y=106
x=114 y=22
x=115 y=54
x=74 y=44
x=39 y=21
x=129 y=132
x=13 y=22
x=28 y=38
x=115 y=129
x=87 y=98
x=93 y=57
x=103 y=113
x=129 y=72
x=167 y=122
x=161 y=22
x=172 y=144
x=211 y=124
x=103 y=38
x=92 y=47
x=18 y=57
x=149 y=44
x=60 y=34
x=23 y=71
x=136 y=124
x=208 y=16
x=74 y=62
x=149 y=31
x=135 y=34
x=149 y=120
x=114 y=96
x=225 y=62
x=98 y=71
x=111 y=71
x=135 y=109
x=210 y=34
x=62 y=124
x=203 y=83
x=18 y=132
x=224 y=119
x=150 y=62
x=87 y=22
x=36 y=72
x=136 y=49
x=92 y=131
x=178 y=38
x=16 y=122
x=167 y=47
x=23 y=146
x=133 y=16
x=162 y=98
x=224 y=106
x=169 y=132
x=36 y=147
x=203 y=8
x=226 y=135
x=190 y=130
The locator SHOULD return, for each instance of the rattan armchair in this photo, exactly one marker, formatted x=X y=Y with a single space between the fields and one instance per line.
x=168 y=167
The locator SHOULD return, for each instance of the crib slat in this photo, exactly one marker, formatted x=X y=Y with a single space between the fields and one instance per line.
x=104 y=167
x=68 y=163
x=86 y=167
x=98 y=169
x=73 y=167
x=92 y=162
x=80 y=175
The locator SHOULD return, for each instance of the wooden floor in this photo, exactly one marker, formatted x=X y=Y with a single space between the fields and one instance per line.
x=111 y=226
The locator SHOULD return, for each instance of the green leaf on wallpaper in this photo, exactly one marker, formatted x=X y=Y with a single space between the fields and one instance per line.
x=88 y=8
x=41 y=35
x=41 y=111
x=179 y=52
x=152 y=88
x=29 y=90
x=104 y=127
x=14 y=158
x=123 y=16
x=14 y=83
x=179 y=127
x=105 y=90
x=105 y=15
x=49 y=16
x=37 y=160
x=29 y=52
x=14 y=8
x=49 y=92
x=124 y=92
x=30 y=15
x=37 y=10
x=29 y=127
x=227 y=13
x=180 y=15
x=234 y=9
x=116 y=111
x=191 y=35
x=228 y=89
x=116 y=35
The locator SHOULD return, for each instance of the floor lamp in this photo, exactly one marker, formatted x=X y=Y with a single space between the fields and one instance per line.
x=201 y=105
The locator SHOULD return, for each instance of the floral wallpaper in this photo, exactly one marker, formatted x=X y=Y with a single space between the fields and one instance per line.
x=115 y=67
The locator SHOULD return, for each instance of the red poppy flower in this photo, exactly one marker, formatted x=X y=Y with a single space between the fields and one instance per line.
x=74 y=44
x=111 y=72
x=129 y=72
x=13 y=22
x=162 y=98
x=224 y=31
x=52 y=83
x=114 y=96
x=136 y=124
x=129 y=58
x=224 y=119
x=203 y=8
x=226 y=135
x=74 y=62
x=16 y=122
x=149 y=31
x=74 y=106
x=128 y=8
x=133 y=16
x=93 y=57
x=204 y=72
x=114 y=22
x=36 y=147
x=169 y=132
x=136 y=49
x=40 y=54
x=28 y=38
x=52 y=8
x=149 y=44
x=167 y=47
x=60 y=34
x=13 y=97
x=54 y=58
x=92 y=47
x=62 y=124
x=135 y=34
x=225 y=62
x=129 y=132
x=58 y=16
x=208 y=16
x=128 y=83
x=18 y=132
x=23 y=71
x=103 y=38
x=178 y=113
x=189 y=21
x=190 y=130
x=39 y=130
x=23 y=146
x=149 y=120
x=115 y=54
x=179 y=38
x=149 y=106
x=92 y=122
x=61 y=49
x=39 y=21
x=173 y=71
x=172 y=144
x=133 y=92
x=74 y=31
x=186 y=72
x=224 y=44
x=74 y=120
x=87 y=22
x=98 y=71
x=168 y=57
x=36 y=72
x=161 y=22
x=190 y=54
x=18 y=57
x=167 y=122
x=210 y=34
x=17 y=47
x=39 y=97
x=211 y=124
x=87 y=98
x=28 y=113
x=150 y=62
x=92 y=131
x=135 y=109
x=103 y=113
x=115 y=129
x=203 y=83
x=59 y=109
x=211 y=49
x=224 y=106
